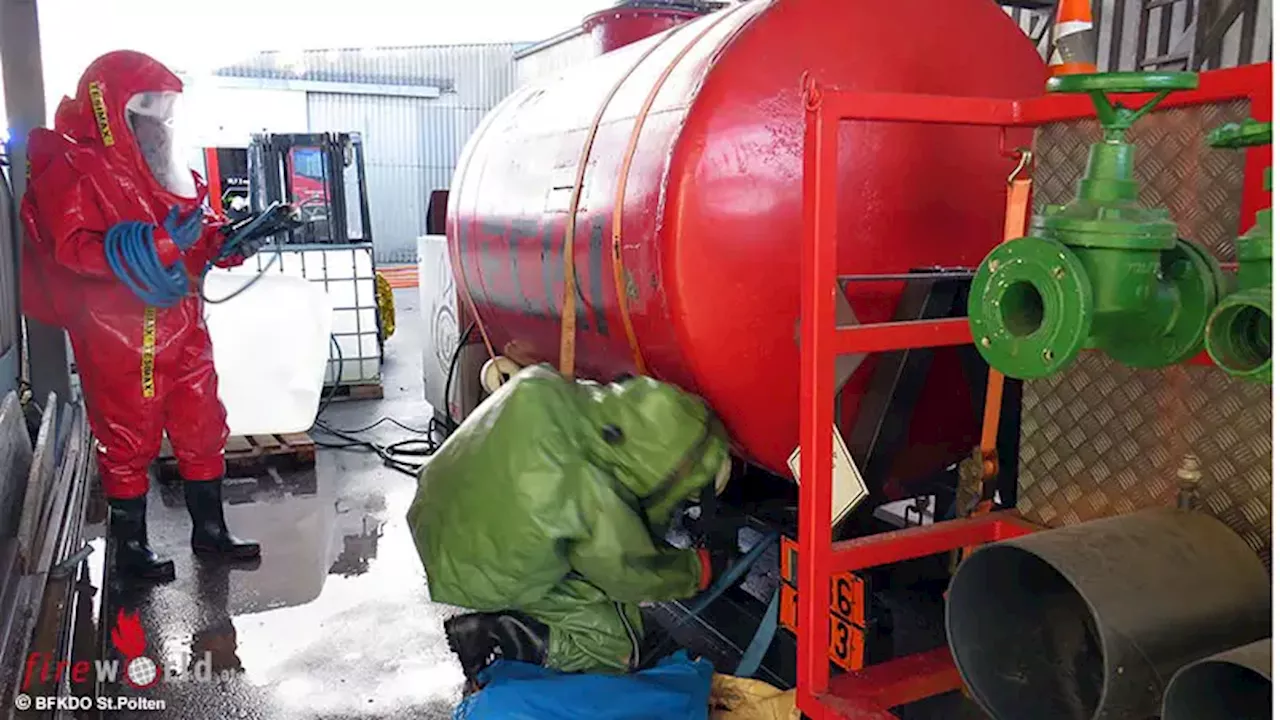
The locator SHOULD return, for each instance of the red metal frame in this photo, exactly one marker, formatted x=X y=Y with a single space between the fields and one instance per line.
x=869 y=693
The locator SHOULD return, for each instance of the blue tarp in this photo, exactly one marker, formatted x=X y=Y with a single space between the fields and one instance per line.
x=677 y=688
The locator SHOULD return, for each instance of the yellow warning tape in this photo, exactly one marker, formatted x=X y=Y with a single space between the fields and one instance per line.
x=149 y=353
x=100 y=113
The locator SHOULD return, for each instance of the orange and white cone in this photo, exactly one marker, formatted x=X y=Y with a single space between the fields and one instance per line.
x=1073 y=40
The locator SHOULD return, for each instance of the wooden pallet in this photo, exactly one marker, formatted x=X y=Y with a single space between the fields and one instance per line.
x=251 y=455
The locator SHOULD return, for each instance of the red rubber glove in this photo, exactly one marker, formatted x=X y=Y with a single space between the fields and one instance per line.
x=708 y=573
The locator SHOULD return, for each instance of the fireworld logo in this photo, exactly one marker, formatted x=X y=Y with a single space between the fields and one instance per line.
x=137 y=669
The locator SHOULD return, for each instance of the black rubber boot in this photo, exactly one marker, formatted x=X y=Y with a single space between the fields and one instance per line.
x=128 y=527
x=209 y=535
x=478 y=639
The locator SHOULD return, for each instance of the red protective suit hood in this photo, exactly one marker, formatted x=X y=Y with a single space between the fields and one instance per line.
x=95 y=117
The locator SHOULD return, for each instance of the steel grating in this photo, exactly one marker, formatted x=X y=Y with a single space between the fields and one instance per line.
x=1100 y=439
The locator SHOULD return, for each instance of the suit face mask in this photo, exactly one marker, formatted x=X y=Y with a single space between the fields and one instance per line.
x=155 y=119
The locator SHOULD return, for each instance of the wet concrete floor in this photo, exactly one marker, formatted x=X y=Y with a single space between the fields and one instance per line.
x=335 y=622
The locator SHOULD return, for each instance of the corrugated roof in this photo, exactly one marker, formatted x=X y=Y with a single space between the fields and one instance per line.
x=430 y=65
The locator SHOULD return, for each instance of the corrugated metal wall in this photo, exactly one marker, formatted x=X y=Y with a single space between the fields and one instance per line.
x=566 y=53
x=1169 y=28
x=411 y=143
x=410 y=149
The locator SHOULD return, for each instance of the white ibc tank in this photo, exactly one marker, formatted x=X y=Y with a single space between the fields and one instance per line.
x=271 y=347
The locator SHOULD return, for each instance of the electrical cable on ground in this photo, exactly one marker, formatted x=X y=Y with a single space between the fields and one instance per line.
x=405 y=456
x=448 y=380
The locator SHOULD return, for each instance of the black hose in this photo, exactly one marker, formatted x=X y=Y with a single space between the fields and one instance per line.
x=448 y=382
x=395 y=455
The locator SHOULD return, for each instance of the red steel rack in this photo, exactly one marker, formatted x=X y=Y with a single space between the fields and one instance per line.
x=869 y=694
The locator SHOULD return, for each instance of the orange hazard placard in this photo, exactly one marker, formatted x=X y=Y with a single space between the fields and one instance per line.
x=845 y=645
x=847 y=610
x=846 y=598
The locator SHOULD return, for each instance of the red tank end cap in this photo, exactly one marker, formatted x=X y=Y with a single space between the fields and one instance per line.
x=620 y=26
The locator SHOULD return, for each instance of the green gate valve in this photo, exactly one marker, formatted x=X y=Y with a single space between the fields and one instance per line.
x=1102 y=271
x=1238 y=335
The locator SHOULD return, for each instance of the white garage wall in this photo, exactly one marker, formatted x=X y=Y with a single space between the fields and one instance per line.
x=227 y=117
x=414 y=107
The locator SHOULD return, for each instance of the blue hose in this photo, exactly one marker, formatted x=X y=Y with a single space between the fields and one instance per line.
x=131 y=254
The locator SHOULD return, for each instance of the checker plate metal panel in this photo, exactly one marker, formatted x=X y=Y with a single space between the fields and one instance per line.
x=1100 y=439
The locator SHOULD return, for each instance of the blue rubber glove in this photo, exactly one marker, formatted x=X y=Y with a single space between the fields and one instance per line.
x=245 y=249
x=184 y=231
x=249 y=248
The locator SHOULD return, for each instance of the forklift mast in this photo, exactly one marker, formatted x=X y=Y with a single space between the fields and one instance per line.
x=323 y=174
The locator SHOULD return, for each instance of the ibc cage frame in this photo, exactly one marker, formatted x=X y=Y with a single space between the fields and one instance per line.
x=870 y=693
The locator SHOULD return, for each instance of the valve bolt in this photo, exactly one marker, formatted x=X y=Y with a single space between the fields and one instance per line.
x=1189 y=477
x=1059 y=272
x=1048 y=356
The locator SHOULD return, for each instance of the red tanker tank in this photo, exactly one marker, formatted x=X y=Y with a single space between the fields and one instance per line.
x=695 y=201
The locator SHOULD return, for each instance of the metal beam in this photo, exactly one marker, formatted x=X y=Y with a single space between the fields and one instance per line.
x=1210 y=37
x=429 y=92
x=24 y=102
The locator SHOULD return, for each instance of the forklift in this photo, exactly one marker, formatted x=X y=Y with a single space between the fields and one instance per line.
x=320 y=173
x=323 y=175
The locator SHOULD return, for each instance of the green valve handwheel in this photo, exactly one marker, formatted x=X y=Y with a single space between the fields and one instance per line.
x=1102 y=271
x=1123 y=82
x=1116 y=119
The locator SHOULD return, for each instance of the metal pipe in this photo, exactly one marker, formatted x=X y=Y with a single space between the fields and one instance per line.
x=1234 y=685
x=20 y=62
x=895 y=277
x=1088 y=622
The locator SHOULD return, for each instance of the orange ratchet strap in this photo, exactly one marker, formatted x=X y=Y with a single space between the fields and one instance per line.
x=569 y=310
x=619 y=201
x=1015 y=224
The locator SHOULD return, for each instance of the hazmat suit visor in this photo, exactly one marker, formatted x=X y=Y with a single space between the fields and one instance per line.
x=156 y=121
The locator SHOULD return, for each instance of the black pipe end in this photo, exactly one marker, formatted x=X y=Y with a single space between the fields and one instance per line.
x=1218 y=690
x=1023 y=638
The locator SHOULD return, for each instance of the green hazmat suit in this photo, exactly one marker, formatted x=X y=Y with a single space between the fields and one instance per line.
x=552 y=499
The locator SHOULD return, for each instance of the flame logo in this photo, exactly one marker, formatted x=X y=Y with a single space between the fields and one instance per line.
x=128 y=636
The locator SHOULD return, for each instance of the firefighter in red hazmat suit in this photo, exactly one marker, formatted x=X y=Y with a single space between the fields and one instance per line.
x=112 y=160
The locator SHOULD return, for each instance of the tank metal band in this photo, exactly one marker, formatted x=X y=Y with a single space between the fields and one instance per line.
x=619 y=281
x=569 y=309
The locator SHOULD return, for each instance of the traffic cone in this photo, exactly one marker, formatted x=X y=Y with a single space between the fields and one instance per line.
x=1074 y=51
